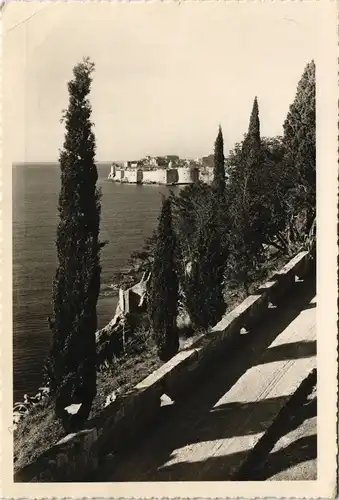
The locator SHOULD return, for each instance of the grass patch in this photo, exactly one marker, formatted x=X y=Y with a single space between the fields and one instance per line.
x=125 y=372
x=39 y=430
x=35 y=433
x=234 y=295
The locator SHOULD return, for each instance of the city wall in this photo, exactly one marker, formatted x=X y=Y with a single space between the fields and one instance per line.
x=171 y=176
x=76 y=455
x=159 y=176
x=129 y=176
x=188 y=175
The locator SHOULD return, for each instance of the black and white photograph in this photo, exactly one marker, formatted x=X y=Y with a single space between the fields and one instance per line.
x=171 y=197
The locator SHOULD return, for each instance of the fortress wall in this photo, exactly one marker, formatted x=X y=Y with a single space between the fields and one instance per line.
x=155 y=176
x=119 y=174
x=182 y=175
x=188 y=175
x=172 y=176
x=130 y=176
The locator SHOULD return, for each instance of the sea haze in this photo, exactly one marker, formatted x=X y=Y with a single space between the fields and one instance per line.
x=129 y=214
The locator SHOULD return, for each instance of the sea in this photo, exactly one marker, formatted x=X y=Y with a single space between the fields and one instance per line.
x=129 y=215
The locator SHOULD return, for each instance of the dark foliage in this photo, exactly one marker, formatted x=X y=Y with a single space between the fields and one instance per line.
x=163 y=288
x=201 y=224
x=246 y=209
x=204 y=280
x=71 y=366
x=300 y=144
x=189 y=207
x=274 y=182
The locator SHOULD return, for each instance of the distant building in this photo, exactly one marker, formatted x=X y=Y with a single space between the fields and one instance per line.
x=162 y=161
x=207 y=161
x=154 y=162
x=130 y=164
x=173 y=158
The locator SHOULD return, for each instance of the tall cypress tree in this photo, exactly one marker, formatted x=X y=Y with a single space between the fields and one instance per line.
x=164 y=287
x=252 y=143
x=252 y=192
x=246 y=209
x=218 y=183
x=300 y=142
x=71 y=367
x=244 y=175
x=204 y=283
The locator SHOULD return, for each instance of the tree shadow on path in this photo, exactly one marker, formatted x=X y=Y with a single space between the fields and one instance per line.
x=292 y=350
x=299 y=450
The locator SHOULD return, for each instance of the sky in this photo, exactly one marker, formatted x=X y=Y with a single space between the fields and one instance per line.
x=167 y=74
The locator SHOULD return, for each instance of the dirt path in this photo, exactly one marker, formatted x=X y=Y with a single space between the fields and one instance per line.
x=209 y=434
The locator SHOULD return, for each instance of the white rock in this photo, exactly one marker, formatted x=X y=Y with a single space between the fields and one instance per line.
x=110 y=398
x=166 y=400
x=73 y=408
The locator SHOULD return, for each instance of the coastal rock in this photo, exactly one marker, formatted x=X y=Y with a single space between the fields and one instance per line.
x=111 y=339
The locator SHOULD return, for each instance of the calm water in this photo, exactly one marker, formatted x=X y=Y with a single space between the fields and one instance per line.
x=129 y=214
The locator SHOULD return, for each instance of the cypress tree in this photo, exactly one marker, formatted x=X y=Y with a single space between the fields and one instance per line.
x=300 y=143
x=204 y=283
x=252 y=142
x=164 y=287
x=218 y=183
x=246 y=208
x=71 y=367
x=253 y=182
x=244 y=175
